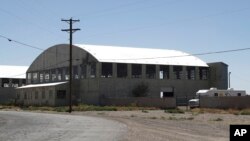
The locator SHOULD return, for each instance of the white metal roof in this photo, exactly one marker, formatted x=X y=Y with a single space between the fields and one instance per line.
x=13 y=71
x=41 y=85
x=141 y=55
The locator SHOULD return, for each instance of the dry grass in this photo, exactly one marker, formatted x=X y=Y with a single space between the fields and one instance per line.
x=144 y=111
x=80 y=107
x=174 y=111
x=132 y=115
x=9 y=107
x=221 y=111
x=83 y=107
x=245 y=112
x=153 y=117
x=180 y=118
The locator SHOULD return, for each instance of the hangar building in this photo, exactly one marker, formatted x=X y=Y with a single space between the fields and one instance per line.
x=101 y=72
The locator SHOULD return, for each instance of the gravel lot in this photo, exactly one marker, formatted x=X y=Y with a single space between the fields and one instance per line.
x=28 y=126
x=149 y=125
x=161 y=126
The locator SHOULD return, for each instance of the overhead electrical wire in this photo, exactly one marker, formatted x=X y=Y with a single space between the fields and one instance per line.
x=141 y=9
x=168 y=23
x=21 y=43
x=27 y=45
x=49 y=31
x=30 y=22
x=195 y=54
x=191 y=19
x=103 y=11
x=93 y=13
x=141 y=28
x=136 y=28
x=44 y=69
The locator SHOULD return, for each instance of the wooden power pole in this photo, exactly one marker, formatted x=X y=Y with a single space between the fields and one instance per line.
x=70 y=31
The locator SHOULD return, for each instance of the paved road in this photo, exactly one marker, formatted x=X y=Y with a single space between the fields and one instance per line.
x=26 y=126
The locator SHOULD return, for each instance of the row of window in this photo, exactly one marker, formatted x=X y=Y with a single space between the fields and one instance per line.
x=61 y=94
x=216 y=94
x=61 y=74
x=164 y=71
x=6 y=82
x=80 y=72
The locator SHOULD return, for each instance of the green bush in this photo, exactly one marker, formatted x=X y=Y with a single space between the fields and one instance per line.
x=141 y=90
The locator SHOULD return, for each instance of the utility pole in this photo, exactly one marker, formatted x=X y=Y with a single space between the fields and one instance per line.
x=70 y=31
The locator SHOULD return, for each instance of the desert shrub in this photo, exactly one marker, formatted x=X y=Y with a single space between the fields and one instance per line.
x=141 y=90
x=245 y=112
x=153 y=117
x=175 y=111
x=217 y=119
x=172 y=118
x=132 y=115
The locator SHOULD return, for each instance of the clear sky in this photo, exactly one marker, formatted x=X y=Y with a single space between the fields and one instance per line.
x=192 y=26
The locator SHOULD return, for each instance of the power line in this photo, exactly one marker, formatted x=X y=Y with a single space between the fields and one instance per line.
x=168 y=23
x=27 y=45
x=21 y=43
x=196 y=54
x=103 y=11
x=44 y=69
x=45 y=29
x=29 y=22
x=135 y=8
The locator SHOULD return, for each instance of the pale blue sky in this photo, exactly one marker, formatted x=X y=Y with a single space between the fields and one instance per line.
x=192 y=26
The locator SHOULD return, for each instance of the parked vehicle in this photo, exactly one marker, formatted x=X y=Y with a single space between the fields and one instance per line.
x=194 y=103
x=214 y=92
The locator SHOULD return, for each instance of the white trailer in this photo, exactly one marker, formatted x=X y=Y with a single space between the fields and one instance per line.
x=214 y=92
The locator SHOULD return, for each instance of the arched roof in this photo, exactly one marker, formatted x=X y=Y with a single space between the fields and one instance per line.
x=141 y=55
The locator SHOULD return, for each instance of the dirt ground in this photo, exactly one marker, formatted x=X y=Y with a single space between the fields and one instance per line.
x=157 y=125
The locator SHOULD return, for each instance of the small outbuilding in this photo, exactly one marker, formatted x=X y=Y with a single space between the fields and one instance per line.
x=10 y=78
